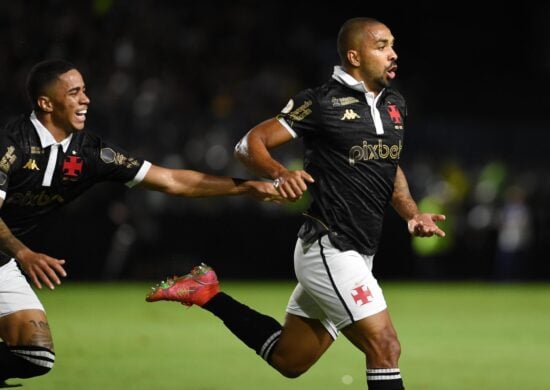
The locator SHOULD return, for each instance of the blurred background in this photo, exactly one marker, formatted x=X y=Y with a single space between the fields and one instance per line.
x=179 y=83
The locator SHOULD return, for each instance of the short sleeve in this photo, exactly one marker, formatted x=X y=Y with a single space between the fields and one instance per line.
x=10 y=159
x=115 y=164
x=301 y=114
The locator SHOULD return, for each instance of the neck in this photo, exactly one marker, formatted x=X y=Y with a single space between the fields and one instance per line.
x=59 y=133
x=357 y=75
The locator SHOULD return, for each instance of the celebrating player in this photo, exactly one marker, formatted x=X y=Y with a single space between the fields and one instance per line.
x=47 y=159
x=352 y=128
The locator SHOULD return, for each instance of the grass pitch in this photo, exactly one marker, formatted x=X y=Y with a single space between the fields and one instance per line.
x=454 y=336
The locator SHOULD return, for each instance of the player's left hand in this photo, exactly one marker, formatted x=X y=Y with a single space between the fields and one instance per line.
x=41 y=268
x=424 y=225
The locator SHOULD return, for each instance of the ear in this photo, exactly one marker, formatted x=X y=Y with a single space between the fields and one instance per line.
x=45 y=103
x=353 y=58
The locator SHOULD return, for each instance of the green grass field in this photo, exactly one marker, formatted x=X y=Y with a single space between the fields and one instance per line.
x=453 y=336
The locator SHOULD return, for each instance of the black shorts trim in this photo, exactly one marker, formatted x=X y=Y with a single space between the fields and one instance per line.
x=332 y=281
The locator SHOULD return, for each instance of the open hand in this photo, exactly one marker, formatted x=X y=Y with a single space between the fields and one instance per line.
x=41 y=268
x=424 y=225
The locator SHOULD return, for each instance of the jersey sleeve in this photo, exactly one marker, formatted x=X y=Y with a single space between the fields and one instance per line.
x=10 y=160
x=115 y=164
x=301 y=114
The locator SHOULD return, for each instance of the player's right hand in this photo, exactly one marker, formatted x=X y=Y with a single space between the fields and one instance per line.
x=292 y=184
x=41 y=268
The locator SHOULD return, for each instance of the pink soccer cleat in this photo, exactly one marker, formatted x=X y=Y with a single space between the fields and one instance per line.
x=195 y=288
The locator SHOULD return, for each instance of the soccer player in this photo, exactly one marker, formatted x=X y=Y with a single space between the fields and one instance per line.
x=47 y=159
x=352 y=128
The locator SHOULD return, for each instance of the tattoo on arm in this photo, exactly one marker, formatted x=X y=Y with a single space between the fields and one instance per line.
x=8 y=242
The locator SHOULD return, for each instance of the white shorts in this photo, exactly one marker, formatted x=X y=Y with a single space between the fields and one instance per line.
x=15 y=292
x=335 y=287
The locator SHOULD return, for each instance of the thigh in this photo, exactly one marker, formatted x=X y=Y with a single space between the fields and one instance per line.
x=22 y=317
x=26 y=327
x=301 y=304
x=303 y=341
x=340 y=282
x=15 y=292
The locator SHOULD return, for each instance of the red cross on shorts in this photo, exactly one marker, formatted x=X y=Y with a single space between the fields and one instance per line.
x=72 y=166
x=361 y=295
x=395 y=116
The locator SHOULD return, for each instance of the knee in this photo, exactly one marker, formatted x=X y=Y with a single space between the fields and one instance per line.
x=287 y=367
x=394 y=348
x=290 y=371
x=385 y=348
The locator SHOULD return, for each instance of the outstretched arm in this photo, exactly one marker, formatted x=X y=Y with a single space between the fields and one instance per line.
x=253 y=151
x=40 y=268
x=193 y=184
x=419 y=224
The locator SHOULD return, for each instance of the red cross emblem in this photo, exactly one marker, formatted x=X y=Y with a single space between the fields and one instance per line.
x=395 y=116
x=72 y=166
x=361 y=295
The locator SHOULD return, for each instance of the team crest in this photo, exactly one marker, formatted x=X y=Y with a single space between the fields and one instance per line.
x=361 y=295
x=72 y=167
x=395 y=116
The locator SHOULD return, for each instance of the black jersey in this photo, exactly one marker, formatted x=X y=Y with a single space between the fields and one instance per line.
x=35 y=180
x=352 y=158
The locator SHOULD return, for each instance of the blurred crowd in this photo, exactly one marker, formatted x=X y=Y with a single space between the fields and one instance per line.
x=179 y=83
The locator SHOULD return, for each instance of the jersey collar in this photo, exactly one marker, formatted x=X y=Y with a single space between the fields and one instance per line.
x=46 y=138
x=348 y=80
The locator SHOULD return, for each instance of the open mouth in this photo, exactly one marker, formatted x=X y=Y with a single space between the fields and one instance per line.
x=81 y=115
x=391 y=72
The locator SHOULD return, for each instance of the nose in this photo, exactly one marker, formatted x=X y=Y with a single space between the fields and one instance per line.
x=393 y=54
x=84 y=99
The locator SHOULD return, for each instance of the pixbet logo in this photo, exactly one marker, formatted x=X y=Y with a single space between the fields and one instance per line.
x=378 y=151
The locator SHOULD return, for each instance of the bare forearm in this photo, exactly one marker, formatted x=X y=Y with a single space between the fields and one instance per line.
x=195 y=184
x=253 y=153
x=253 y=150
x=9 y=244
x=402 y=200
x=40 y=268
